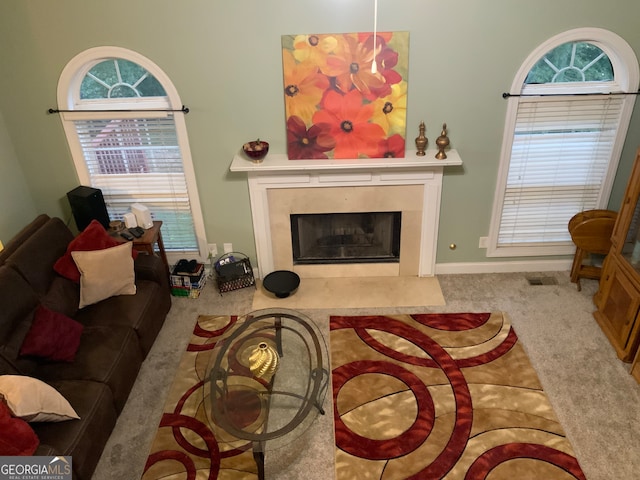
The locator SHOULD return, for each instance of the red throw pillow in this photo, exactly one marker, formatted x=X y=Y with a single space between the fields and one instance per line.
x=94 y=237
x=52 y=336
x=16 y=436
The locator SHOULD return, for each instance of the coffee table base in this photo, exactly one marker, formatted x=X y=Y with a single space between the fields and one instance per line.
x=258 y=456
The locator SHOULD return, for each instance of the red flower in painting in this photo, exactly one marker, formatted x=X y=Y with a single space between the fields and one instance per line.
x=392 y=147
x=312 y=143
x=386 y=61
x=349 y=124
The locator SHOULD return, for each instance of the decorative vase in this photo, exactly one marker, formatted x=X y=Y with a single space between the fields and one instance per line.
x=263 y=360
x=421 y=140
x=442 y=142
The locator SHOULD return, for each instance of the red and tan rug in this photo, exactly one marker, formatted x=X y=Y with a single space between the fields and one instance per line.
x=185 y=447
x=441 y=396
x=432 y=396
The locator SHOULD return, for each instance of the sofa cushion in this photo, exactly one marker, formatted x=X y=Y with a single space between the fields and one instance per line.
x=63 y=296
x=94 y=237
x=52 y=336
x=19 y=238
x=145 y=312
x=19 y=303
x=84 y=439
x=16 y=436
x=105 y=273
x=34 y=401
x=34 y=259
x=107 y=354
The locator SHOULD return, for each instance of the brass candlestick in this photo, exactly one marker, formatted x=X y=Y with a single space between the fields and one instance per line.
x=421 y=140
x=442 y=142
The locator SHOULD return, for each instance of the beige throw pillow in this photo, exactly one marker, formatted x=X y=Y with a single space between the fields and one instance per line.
x=34 y=401
x=105 y=273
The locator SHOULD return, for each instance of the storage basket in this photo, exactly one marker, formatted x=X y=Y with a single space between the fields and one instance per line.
x=233 y=271
x=187 y=285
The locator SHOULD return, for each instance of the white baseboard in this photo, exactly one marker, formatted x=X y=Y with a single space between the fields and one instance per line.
x=504 y=267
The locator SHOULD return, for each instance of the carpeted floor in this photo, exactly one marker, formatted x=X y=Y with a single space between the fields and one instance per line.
x=591 y=391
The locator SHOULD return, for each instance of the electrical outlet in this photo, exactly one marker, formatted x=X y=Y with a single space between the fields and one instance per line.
x=228 y=247
x=484 y=242
x=213 y=250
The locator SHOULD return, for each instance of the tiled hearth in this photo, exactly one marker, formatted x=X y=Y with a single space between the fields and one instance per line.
x=279 y=187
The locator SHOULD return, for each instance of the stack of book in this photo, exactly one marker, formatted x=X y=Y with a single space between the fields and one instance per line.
x=187 y=278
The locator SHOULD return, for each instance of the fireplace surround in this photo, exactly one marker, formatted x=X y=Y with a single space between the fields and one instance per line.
x=279 y=188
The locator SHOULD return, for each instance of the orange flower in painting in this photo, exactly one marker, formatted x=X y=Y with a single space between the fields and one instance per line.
x=351 y=66
x=349 y=122
x=390 y=112
x=303 y=86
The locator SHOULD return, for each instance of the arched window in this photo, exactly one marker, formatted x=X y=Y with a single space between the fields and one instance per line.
x=127 y=136
x=565 y=127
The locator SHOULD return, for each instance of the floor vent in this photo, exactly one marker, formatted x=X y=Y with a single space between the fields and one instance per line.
x=542 y=280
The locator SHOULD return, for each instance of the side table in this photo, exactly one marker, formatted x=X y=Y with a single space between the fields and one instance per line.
x=147 y=241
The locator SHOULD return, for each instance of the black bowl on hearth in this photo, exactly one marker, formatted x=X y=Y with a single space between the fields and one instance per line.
x=281 y=283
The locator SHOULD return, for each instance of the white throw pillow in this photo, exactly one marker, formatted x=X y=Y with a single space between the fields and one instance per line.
x=33 y=400
x=105 y=273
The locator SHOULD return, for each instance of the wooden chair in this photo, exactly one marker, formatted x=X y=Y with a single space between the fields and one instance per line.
x=591 y=233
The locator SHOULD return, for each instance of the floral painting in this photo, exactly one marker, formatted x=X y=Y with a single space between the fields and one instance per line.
x=338 y=104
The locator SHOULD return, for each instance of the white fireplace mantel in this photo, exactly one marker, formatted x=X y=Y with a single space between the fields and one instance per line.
x=278 y=172
x=279 y=163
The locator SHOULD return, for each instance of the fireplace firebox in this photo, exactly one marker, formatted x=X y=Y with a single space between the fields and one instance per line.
x=354 y=237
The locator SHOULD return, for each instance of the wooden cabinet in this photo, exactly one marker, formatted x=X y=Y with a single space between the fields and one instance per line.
x=635 y=368
x=618 y=297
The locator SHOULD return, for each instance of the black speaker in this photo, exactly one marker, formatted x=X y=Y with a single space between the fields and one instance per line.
x=87 y=204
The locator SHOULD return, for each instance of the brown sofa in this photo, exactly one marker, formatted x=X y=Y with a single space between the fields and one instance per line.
x=117 y=334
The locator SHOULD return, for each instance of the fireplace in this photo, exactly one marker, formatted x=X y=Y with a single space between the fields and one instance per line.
x=356 y=237
x=407 y=190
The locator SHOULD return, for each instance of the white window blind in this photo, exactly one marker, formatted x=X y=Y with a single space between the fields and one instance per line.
x=561 y=150
x=138 y=160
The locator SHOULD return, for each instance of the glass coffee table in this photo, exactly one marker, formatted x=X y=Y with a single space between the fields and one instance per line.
x=267 y=380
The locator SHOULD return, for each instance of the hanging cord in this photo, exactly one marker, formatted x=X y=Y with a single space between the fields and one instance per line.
x=184 y=110
x=374 y=65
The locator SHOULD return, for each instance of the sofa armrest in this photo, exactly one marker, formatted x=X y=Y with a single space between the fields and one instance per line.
x=150 y=267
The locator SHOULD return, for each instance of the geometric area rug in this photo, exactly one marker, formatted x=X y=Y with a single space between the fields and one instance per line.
x=441 y=396
x=186 y=445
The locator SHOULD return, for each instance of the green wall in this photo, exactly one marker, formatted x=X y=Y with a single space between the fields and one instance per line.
x=16 y=204
x=224 y=58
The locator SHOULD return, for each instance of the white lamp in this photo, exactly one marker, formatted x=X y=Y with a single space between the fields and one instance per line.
x=1 y=246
